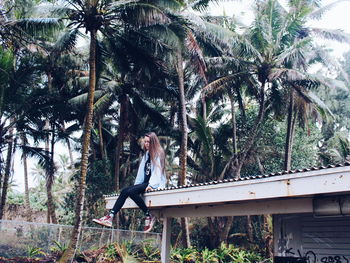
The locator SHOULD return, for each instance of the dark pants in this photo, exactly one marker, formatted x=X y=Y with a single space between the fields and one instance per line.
x=133 y=192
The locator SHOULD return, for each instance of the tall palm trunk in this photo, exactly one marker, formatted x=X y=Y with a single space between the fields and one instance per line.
x=47 y=153
x=253 y=134
x=183 y=122
x=102 y=148
x=51 y=215
x=69 y=253
x=236 y=162
x=7 y=173
x=50 y=181
x=290 y=132
x=183 y=146
x=26 y=187
x=121 y=135
x=234 y=124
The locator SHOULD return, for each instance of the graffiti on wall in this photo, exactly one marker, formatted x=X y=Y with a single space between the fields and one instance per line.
x=309 y=257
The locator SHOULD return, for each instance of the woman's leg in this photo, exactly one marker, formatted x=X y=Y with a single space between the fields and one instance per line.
x=135 y=195
x=133 y=192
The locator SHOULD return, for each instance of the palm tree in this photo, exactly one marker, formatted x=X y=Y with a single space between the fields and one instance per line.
x=17 y=32
x=101 y=16
x=269 y=58
x=305 y=11
x=20 y=78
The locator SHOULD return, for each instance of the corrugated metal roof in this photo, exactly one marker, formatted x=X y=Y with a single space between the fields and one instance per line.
x=252 y=177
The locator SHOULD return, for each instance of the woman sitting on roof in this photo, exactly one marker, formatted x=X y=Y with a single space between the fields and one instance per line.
x=150 y=176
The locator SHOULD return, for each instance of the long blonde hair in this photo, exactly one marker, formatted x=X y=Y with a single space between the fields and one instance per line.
x=156 y=150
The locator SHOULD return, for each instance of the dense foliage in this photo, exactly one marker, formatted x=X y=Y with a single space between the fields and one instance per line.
x=226 y=101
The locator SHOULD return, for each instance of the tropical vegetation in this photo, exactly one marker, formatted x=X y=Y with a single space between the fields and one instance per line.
x=226 y=99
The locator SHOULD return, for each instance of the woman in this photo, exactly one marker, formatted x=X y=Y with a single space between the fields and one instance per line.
x=150 y=176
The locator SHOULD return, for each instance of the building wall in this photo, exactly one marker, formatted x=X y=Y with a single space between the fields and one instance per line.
x=305 y=238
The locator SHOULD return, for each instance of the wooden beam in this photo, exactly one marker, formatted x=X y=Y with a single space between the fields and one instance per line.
x=286 y=206
x=165 y=250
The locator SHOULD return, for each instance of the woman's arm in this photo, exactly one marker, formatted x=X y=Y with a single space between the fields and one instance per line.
x=157 y=179
x=140 y=172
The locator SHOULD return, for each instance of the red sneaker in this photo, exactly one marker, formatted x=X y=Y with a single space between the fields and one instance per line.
x=149 y=222
x=104 y=221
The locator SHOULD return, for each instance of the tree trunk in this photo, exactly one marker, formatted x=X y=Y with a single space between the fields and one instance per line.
x=225 y=228
x=268 y=236
x=70 y=251
x=7 y=173
x=236 y=162
x=50 y=174
x=183 y=120
x=261 y=167
x=241 y=102
x=102 y=150
x=50 y=181
x=253 y=133
x=290 y=133
x=219 y=228
x=234 y=125
x=183 y=146
x=26 y=187
x=47 y=153
x=249 y=229
x=124 y=103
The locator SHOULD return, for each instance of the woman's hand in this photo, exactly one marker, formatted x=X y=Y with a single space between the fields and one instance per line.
x=148 y=189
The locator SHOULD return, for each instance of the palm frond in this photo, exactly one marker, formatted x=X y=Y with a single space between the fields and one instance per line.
x=319 y=12
x=122 y=4
x=67 y=42
x=344 y=146
x=162 y=37
x=331 y=63
x=321 y=107
x=330 y=82
x=175 y=5
x=149 y=109
x=81 y=100
x=288 y=74
x=141 y=14
x=197 y=58
x=331 y=34
x=294 y=55
x=200 y=5
x=204 y=134
x=245 y=48
x=6 y=63
x=102 y=104
x=221 y=83
x=218 y=34
x=38 y=26
x=38 y=153
x=224 y=62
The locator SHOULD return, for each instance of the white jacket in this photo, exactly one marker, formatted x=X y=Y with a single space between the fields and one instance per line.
x=157 y=179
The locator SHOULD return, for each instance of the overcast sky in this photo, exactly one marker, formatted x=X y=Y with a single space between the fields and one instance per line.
x=335 y=18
